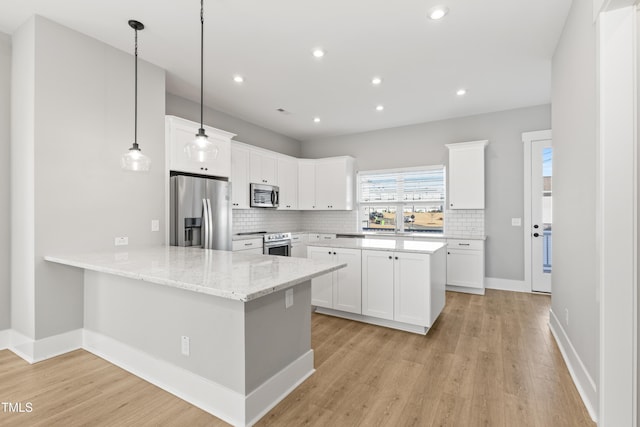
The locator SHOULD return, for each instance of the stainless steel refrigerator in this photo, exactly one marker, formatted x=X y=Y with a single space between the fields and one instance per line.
x=200 y=212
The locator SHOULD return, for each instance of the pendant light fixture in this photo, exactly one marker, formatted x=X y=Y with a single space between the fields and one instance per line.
x=134 y=160
x=201 y=149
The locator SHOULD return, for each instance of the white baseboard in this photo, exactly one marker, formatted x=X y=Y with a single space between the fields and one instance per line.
x=422 y=330
x=506 y=284
x=34 y=351
x=581 y=378
x=464 y=289
x=269 y=394
x=5 y=339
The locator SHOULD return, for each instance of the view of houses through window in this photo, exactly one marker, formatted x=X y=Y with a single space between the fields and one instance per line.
x=402 y=200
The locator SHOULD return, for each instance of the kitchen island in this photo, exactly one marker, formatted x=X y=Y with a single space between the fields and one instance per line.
x=228 y=332
x=394 y=283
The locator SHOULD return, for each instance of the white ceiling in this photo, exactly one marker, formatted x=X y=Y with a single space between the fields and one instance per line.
x=499 y=50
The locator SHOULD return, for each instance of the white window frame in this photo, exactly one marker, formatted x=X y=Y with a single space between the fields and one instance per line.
x=400 y=204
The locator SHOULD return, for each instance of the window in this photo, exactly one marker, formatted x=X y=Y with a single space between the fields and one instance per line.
x=409 y=199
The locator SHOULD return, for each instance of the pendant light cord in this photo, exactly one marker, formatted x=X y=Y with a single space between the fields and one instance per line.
x=201 y=64
x=135 y=114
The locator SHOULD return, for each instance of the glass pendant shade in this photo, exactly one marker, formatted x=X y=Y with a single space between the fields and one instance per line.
x=201 y=149
x=133 y=160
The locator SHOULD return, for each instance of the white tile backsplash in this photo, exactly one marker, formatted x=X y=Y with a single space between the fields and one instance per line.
x=247 y=220
x=464 y=222
x=330 y=221
x=457 y=222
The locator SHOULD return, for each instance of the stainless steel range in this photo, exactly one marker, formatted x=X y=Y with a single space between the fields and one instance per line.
x=277 y=244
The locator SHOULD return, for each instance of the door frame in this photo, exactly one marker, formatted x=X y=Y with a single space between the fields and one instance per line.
x=528 y=138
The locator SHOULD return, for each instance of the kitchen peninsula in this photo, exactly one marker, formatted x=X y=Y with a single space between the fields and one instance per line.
x=228 y=332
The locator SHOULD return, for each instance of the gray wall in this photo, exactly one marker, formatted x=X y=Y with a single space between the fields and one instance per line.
x=246 y=132
x=423 y=144
x=574 y=280
x=5 y=174
x=82 y=123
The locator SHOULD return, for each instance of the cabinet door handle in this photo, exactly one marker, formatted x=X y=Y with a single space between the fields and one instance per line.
x=334 y=253
x=396 y=257
x=329 y=252
x=390 y=257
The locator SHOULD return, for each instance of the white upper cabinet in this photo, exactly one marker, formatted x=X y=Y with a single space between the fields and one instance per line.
x=335 y=180
x=306 y=184
x=178 y=132
x=288 y=183
x=239 y=177
x=466 y=175
x=326 y=184
x=263 y=168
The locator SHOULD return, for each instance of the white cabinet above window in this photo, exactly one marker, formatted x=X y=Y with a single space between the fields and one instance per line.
x=181 y=131
x=466 y=175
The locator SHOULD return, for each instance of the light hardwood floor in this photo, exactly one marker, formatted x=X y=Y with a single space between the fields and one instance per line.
x=488 y=361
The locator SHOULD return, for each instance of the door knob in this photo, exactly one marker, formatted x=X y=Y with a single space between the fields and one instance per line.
x=536 y=234
x=536 y=226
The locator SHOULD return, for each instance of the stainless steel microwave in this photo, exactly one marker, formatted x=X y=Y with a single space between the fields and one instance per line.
x=264 y=196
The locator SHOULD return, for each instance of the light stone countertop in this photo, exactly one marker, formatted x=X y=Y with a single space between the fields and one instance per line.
x=373 y=234
x=225 y=274
x=397 y=245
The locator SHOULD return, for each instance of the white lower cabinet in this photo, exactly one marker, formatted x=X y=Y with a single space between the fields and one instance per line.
x=299 y=245
x=395 y=286
x=377 y=284
x=340 y=290
x=248 y=246
x=465 y=263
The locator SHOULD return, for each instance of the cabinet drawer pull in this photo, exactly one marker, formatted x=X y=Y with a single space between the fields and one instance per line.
x=248 y=244
x=464 y=244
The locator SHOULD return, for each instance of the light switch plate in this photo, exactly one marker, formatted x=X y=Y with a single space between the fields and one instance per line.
x=516 y=222
x=121 y=241
x=185 y=344
x=155 y=225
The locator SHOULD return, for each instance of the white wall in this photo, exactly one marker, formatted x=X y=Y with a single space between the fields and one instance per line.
x=245 y=131
x=82 y=103
x=574 y=120
x=423 y=144
x=5 y=210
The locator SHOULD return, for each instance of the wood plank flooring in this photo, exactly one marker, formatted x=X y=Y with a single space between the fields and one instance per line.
x=488 y=361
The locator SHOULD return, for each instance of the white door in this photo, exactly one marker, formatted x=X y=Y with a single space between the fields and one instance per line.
x=541 y=215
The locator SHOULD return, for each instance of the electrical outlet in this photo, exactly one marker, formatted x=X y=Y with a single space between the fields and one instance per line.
x=185 y=344
x=566 y=316
x=121 y=241
x=155 y=225
x=288 y=298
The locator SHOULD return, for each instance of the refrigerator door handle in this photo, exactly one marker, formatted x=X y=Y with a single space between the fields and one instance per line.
x=205 y=224
x=210 y=225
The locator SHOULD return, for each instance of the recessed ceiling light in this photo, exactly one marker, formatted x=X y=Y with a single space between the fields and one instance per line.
x=318 y=53
x=438 y=12
x=380 y=108
x=316 y=119
x=376 y=81
x=461 y=92
x=238 y=79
